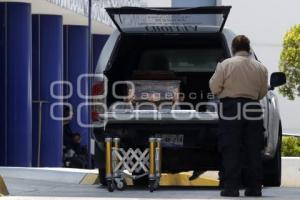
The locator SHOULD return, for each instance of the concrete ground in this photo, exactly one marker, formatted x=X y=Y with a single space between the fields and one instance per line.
x=60 y=183
x=24 y=189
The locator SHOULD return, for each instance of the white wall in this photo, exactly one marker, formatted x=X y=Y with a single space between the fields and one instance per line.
x=266 y=22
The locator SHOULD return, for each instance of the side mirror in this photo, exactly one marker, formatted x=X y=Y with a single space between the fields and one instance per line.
x=277 y=79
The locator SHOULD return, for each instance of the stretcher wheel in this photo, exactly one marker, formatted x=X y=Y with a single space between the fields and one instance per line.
x=110 y=185
x=121 y=185
x=153 y=185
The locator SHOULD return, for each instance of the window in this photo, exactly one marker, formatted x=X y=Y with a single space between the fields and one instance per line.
x=182 y=60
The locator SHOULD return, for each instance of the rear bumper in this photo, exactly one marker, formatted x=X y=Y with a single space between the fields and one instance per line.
x=196 y=134
x=157 y=117
x=200 y=147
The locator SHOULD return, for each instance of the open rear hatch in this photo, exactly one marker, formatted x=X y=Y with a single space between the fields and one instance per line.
x=169 y=20
x=132 y=20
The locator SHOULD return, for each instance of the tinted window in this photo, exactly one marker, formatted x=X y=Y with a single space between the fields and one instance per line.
x=182 y=60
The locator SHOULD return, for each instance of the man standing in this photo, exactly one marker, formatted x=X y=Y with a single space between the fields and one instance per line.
x=240 y=82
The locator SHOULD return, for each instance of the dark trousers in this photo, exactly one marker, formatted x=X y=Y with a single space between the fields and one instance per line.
x=241 y=141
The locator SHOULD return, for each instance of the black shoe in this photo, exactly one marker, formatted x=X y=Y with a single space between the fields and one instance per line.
x=230 y=193
x=253 y=192
x=221 y=184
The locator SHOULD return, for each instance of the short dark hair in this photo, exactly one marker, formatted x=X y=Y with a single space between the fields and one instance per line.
x=240 y=43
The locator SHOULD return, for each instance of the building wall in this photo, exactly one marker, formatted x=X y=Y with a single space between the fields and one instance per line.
x=15 y=84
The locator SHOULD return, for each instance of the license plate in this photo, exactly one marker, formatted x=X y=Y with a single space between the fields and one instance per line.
x=171 y=139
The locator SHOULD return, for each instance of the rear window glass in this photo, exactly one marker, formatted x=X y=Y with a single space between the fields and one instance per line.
x=182 y=60
x=169 y=20
x=188 y=23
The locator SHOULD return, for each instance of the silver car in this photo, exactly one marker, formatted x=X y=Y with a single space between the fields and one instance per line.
x=182 y=46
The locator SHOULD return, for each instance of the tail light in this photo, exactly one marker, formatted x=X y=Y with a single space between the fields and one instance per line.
x=98 y=89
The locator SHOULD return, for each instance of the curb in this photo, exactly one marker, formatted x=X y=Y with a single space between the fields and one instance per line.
x=3 y=188
x=181 y=179
x=89 y=179
x=61 y=175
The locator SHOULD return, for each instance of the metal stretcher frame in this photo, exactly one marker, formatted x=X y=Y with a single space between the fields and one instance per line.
x=119 y=160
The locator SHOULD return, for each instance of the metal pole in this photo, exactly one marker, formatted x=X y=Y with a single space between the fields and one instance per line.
x=152 y=158
x=90 y=67
x=40 y=112
x=116 y=142
x=158 y=157
x=39 y=135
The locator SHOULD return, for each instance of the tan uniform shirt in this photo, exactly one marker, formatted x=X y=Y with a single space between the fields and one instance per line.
x=240 y=76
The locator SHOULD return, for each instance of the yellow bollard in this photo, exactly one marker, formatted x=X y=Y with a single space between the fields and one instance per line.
x=152 y=158
x=108 y=146
x=3 y=188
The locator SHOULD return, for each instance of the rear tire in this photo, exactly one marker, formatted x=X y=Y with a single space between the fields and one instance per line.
x=153 y=185
x=272 y=168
